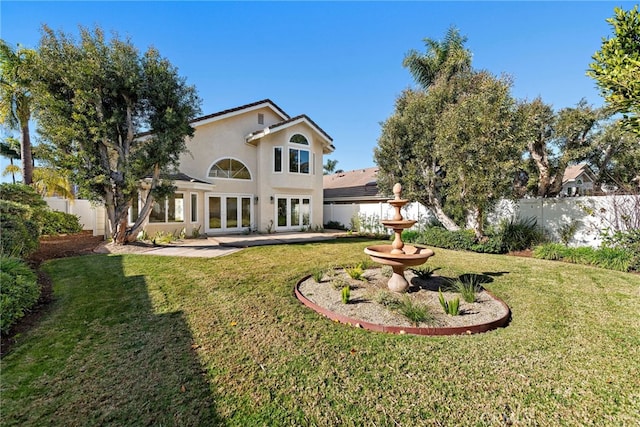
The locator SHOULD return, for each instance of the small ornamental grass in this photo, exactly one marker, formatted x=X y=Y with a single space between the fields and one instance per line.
x=356 y=273
x=346 y=294
x=406 y=306
x=423 y=272
x=452 y=307
x=317 y=274
x=468 y=286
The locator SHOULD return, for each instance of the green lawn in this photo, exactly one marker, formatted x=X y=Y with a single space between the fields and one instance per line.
x=143 y=340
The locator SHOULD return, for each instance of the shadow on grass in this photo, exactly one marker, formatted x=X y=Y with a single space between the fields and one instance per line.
x=105 y=355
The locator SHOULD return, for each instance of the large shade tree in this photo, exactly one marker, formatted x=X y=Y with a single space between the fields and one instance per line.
x=405 y=148
x=16 y=99
x=616 y=67
x=555 y=140
x=615 y=157
x=477 y=145
x=115 y=118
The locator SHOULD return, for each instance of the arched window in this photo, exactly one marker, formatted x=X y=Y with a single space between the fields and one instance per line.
x=299 y=139
x=230 y=169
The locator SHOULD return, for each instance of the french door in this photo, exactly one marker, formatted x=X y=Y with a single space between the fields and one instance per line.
x=228 y=213
x=293 y=212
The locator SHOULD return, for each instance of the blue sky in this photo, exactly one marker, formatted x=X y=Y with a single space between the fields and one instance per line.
x=338 y=62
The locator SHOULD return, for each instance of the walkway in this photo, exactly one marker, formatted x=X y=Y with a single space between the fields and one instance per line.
x=224 y=245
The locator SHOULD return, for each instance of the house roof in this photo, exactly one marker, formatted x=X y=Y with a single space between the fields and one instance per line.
x=354 y=185
x=239 y=110
x=181 y=177
x=303 y=118
x=571 y=173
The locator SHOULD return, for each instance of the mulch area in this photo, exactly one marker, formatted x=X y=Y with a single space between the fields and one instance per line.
x=51 y=247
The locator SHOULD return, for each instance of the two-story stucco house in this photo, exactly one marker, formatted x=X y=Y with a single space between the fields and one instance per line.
x=250 y=168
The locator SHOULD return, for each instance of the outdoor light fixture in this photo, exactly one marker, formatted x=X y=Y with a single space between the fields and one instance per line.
x=271 y=199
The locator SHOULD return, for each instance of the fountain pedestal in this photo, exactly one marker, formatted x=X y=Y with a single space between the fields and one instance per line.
x=398 y=255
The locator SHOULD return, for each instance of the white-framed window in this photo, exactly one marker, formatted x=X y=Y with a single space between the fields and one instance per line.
x=170 y=209
x=299 y=139
x=194 y=207
x=229 y=168
x=299 y=157
x=298 y=161
x=277 y=159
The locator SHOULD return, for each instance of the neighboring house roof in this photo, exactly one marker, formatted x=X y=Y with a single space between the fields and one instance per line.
x=239 y=110
x=303 y=118
x=356 y=185
x=572 y=173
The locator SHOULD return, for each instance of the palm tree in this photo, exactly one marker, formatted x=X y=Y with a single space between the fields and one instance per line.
x=16 y=102
x=9 y=149
x=329 y=167
x=49 y=182
x=443 y=59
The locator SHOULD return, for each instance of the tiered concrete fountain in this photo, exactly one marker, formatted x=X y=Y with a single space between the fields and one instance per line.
x=398 y=255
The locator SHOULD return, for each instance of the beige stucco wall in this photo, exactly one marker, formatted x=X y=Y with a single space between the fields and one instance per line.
x=225 y=138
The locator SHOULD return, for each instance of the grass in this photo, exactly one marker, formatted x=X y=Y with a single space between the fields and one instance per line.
x=143 y=340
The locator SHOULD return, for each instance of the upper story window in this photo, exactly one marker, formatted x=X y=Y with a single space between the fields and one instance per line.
x=277 y=159
x=299 y=139
x=230 y=169
x=298 y=161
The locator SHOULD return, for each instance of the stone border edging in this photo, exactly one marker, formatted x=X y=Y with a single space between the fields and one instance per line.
x=434 y=331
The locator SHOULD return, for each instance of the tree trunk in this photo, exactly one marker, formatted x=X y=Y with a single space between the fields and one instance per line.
x=436 y=207
x=540 y=158
x=25 y=152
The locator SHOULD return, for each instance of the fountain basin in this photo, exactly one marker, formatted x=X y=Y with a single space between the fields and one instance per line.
x=399 y=224
x=411 y=256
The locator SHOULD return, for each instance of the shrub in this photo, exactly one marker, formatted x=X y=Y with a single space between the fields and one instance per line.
x=19 y=291
x=19 y=235
x=53 y=223
x=550 y=251
x=23 y=194
x=628 y=240
x=610 y=258
x=456 y=240
x=518 y=234
x=567 y=232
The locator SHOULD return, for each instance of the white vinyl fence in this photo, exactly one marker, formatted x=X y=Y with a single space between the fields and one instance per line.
x=369 y=215
x=92 y=217
x=592 y=215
